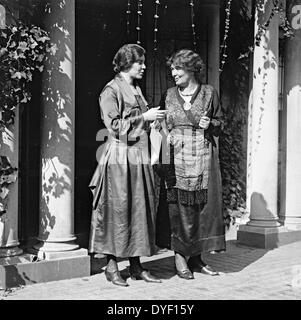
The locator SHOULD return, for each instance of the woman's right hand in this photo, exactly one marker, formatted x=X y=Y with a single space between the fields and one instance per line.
x=204 y=122
x=154 y=114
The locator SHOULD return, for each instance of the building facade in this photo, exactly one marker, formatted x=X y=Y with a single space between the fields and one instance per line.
x=55 y=143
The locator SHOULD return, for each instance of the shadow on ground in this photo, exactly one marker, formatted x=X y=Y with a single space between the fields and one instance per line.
x=236 y=258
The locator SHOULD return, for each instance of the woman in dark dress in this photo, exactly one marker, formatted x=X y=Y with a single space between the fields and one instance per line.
x=123 y=218
x=191 y=192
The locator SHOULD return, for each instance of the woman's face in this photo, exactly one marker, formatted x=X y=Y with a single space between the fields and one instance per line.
x=137 y=69
x=181 y=76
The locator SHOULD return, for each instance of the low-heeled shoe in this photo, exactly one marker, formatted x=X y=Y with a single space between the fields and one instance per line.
x=209 y=270
x=199 y=266
x=144 y=275
x=115 y=278
x=185 y=274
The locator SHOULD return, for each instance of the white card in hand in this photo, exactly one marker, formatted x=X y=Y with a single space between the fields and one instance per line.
x=155 y=139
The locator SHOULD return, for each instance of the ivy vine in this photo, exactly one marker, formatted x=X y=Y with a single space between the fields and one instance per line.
x=23 y=51
x=234 y=95
x=235 y=87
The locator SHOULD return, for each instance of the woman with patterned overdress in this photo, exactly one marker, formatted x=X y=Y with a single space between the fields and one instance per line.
x=190 y=209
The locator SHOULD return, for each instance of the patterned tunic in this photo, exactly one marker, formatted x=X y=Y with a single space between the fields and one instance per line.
x=191 y=200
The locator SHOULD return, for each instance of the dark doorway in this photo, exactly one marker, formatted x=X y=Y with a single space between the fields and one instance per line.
x=101 y=28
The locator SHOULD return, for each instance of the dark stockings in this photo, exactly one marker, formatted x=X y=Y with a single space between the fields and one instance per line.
x=135 y=263
x=197 y=259
x=112 y=263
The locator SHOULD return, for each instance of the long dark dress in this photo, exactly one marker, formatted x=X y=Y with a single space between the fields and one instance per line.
x=190 y=217
x=123 y=218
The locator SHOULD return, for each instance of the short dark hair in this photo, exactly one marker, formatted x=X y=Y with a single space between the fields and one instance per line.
x=188 y=60
x=126 y=56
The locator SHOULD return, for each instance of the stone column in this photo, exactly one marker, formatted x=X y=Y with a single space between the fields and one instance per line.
x=56 y=231
x=9 y=146
x=249 y=155
x=9 y=142
x=290 y=214
x=264 y=136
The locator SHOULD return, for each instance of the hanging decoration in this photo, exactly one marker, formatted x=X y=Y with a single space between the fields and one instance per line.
x=165 y=8
x=226 y=34
x=262 y=28
x=192 y=24
x=284 y=24
x=128 y=15
x=139 y=16
x=156 y=18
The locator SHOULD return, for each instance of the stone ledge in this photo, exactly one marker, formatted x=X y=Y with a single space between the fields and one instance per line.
x=21 y=270
x=51 y=255
x=266 y=238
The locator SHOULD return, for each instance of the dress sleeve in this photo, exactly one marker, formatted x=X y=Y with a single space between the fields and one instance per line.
x=217 y=122
x=113 y=120
x=160 y=167
x=162 y=101
x=162 y=125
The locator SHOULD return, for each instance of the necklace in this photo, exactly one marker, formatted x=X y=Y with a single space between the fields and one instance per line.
x=187 y=95
x=187 y=105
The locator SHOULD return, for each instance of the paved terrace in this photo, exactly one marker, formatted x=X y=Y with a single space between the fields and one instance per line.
x=246 y=273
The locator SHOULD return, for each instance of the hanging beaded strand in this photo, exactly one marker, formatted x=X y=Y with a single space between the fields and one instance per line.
x=139 y=15
x=128 y=13
x=165 y=7
x=156 y=18
x=192 y=24
x=224 y=46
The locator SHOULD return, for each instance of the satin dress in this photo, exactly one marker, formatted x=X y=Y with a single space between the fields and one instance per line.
x=123 y=218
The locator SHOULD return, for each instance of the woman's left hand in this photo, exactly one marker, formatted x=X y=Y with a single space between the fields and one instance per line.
x=204 y=122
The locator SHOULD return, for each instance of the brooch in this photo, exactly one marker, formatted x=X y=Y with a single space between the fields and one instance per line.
x=187 y=106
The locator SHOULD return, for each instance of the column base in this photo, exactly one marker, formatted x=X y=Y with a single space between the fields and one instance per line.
x=27 y=269
x=264 y=223
x=48 y=246
x=266 y=238
x=51 y=255
x=10 y=252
